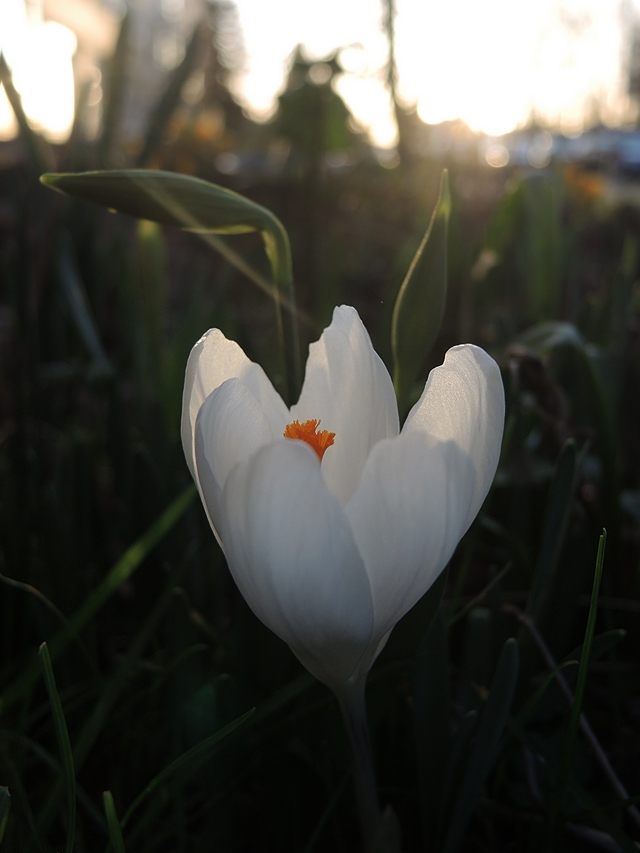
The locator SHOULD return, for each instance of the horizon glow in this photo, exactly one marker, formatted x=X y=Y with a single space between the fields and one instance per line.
x=494 y=64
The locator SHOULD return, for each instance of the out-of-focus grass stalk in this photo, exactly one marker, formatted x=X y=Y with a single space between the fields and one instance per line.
x=64 y=744
x=122 y=570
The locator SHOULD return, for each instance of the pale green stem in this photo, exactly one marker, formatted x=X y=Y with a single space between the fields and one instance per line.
x=352 y=704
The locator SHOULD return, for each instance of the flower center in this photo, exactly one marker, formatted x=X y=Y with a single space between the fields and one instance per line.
x=308 y=431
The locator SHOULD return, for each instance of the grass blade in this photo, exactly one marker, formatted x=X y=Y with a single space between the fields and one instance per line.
x=75 y=295
x=487 y=743
x=110 y=695
x=123 y=569
x=576 y=709
x=62 y=735
x=431 y=721
x=113 y=824
x=5 y=805
x=191 y=759
x=555 y=523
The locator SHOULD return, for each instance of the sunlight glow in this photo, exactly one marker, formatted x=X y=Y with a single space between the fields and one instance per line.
x=39 y=54
x=494 y=64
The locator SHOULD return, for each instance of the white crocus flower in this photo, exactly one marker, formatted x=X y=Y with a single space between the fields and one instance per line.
x=332 y=543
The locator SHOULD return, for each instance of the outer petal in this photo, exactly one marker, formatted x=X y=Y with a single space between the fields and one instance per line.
x=230 y=427
x=213 y=360
x=292 y=554
x=407 y=517
x=349 y=389
x=463 y=401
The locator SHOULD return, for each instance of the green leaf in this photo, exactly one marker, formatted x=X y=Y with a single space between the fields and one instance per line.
x=556 y=518
x=113 y=824
x=541 y=747
x=75 y=296
x=600 y=644
x=457 y=762
x=568 y=747
x=167 y=198
x=487 y=743
x=419 y=307
x=64 y=744
x=123 y=569
x=109 y=697
x=532 y=703
x=197 y=205
x=5 y=805
x=189 y=761
x=431 y=722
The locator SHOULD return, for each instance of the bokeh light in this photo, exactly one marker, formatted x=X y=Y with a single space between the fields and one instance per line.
x=39 y=54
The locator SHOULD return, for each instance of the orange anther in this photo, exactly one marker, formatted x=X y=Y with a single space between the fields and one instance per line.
x=307 y=431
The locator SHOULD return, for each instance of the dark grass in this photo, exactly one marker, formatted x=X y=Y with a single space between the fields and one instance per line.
x=167 y=660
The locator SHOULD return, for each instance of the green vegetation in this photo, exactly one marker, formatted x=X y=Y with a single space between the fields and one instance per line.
x=160 y=715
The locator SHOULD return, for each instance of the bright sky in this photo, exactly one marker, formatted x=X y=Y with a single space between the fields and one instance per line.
x=489 y=62
x=39 y=54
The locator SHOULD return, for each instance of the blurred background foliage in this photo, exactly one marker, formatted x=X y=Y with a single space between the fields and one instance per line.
x=105 y=554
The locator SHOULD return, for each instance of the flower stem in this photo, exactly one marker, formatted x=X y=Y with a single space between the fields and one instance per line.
x=352 y=705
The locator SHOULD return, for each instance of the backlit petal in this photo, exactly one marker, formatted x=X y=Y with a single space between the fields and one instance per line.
x=348 y=388
x=213 y=360
x=463 y=401
x=230 y=426
x=407 y=517
x=291 y=551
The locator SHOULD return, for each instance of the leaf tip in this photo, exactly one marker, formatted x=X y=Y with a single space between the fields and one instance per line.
x=50 y=179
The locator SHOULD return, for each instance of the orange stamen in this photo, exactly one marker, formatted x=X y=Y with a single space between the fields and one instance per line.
x=307 y=431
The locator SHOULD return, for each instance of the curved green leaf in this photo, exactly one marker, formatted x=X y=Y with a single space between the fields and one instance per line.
x=196 y=205
x=62 y=735
x=190 y=760
x=419 y=307
x=113 y=824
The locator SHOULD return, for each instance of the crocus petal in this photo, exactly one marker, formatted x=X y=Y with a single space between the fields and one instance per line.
x=407 y=517
x=463 y=401
x=349 y=389
x=213 y=360
x=292 y=554
x=230 y=427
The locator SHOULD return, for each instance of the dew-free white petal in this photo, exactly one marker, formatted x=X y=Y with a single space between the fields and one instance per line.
x=213 y=360
x=407 y=517
x=230 y=427
x=292 y=554
x=463 y=401
x=349 y=389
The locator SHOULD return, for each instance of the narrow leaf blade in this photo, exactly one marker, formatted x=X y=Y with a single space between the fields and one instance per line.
x=419 y=307
x=555 y=523
x=113 y=824
x=64 y=744
x=191 y=760
x=431 y=721
x=123 y=569
x=5 y=805
x=487 y=744
x=167 y=198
